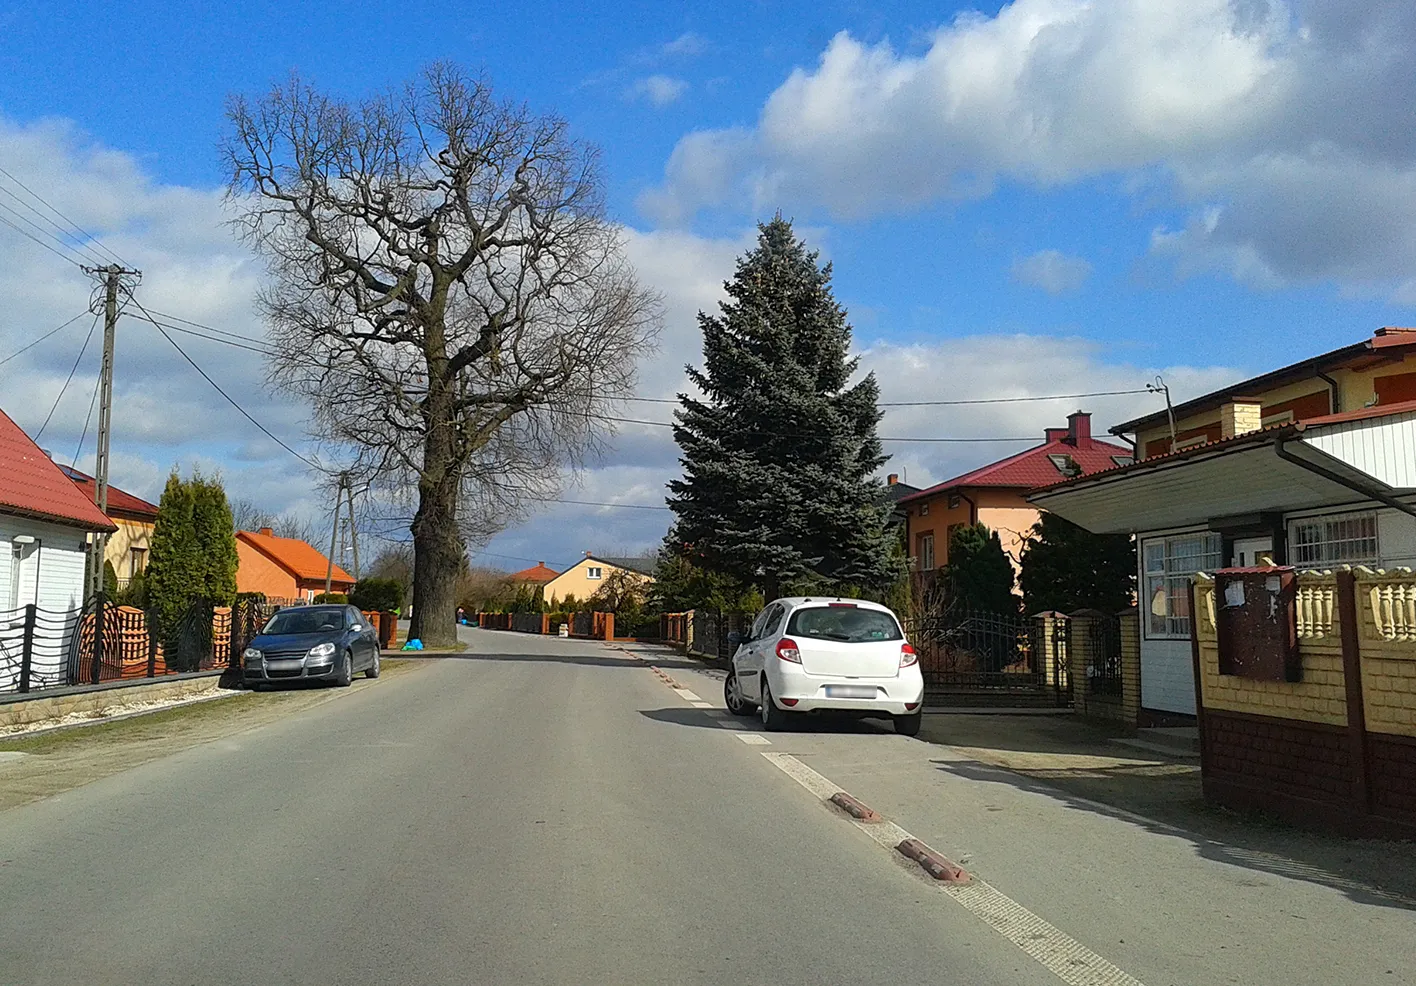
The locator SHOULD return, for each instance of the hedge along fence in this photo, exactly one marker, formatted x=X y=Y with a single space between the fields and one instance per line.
x=587 y=625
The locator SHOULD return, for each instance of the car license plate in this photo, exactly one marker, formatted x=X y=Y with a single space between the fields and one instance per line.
x=283 y=665
x=849 y=691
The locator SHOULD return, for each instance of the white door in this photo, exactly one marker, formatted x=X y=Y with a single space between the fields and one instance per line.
x=1251 y=552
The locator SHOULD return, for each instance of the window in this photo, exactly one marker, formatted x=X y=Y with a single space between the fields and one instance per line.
x=848 y=624
x=1169 y=563
x=774 y=621
x=1063 y=463
x=1122 y=460
x=954 y=502
x=926 y=551
x=137 y=560
x=1345 y=539
x=924 y=509
x=594 y=572
x=24 y=572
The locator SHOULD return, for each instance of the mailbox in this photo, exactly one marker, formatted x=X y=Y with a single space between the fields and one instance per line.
x=1255 y=616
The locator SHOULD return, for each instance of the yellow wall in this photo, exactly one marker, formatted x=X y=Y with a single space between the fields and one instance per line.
x=130 y=534
x=574 y=581
x=1001 y=510
x=1355 y=391
x=1388 y=666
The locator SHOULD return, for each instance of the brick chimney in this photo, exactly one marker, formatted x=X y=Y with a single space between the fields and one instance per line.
x=1079 y=429
x=267 y=532
x=1240 y=416
x=1054 y=434
x=892 y=479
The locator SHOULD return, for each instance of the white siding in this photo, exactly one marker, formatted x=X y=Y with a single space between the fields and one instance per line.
x=1381 y=447
x=60 y=591
x=1167 y=676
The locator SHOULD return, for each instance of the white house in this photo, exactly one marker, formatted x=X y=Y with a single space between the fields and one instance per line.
x=45 y=524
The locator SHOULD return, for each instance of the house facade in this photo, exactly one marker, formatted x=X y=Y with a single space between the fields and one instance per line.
x=996 y=494
x=583 y=579
x=127 y=547
x=284 y=568
x=1261 y=473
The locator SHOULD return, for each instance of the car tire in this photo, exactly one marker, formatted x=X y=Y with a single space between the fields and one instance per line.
x=346 y=671
x=733 y=697
x=372 y=671
x=774 y=720
x=909 y=725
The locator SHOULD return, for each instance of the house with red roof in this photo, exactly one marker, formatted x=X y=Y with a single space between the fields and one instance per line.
x=995 y=495
x=45 y=525
x=285 y=568
x=126 y=548
x=537 y=574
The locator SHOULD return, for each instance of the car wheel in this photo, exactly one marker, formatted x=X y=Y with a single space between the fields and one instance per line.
x=733 y=698
x=346 y=671
x=774 y=720
x=909 y=725
x=372 y=671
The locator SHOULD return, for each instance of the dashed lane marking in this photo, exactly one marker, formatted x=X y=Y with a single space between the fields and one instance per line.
x=687 y=695
x=1065 y=957
x=701 y=705
x=754 y=739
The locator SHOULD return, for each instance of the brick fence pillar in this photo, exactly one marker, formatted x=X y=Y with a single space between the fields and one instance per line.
x=1131 y=666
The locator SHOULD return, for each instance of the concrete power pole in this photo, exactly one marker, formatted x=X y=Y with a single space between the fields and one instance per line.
x=112 y=277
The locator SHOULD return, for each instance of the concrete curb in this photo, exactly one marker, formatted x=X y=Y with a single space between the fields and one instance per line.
x=858 y=810
x=937 y=866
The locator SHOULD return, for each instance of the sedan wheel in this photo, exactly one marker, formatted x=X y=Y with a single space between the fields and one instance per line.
x=346 y=671
x=372 y=671
x=733 y=697
x=774 y=720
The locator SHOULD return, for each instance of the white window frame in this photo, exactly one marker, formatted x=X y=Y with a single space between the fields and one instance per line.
x=1335 y=539
x=926 y=552
x=1167 y=564
x=594 y=572
x=924 y=509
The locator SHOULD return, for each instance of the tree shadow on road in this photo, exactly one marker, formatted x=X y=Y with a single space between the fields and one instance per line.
x=586 y=660
x=807 y=724
x=1367 y=871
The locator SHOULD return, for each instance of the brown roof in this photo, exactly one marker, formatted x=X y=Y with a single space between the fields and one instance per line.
x=120 y=502
x=537 y=573
x=295 y=556
x=32 y=485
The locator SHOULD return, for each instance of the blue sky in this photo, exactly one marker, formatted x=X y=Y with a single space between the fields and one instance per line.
x=1036 y=198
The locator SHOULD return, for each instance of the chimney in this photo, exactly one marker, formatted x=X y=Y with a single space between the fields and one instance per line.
x=892 y=479
x=541 y=563
x=1050 y=435
x=1239 y=417
x=267 y=532
x=1079 y=429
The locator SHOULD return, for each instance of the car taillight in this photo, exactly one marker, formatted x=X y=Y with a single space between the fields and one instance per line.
x=908 y=656
x=787 y=650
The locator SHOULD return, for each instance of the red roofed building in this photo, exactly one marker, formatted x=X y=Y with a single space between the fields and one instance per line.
x=45 y=522
x=995 y=495
x=127 y=548
x=284 y=568
x=537 y=574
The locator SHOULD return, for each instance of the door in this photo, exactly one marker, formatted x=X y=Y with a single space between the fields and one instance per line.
x=363 y=652
x=747 y=663
x=1252 y=552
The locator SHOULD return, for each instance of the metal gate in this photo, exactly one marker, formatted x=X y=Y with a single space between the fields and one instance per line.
x=970 y=657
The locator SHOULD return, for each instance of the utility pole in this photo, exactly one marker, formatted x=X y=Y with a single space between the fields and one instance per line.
x=353 y=532
x=112 y=276
x=334 y=530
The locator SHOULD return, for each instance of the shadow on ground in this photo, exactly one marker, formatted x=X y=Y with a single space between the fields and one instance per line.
x=834 y=725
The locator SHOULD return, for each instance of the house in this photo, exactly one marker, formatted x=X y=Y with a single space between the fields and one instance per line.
x=538 y=574
x=284 y=568
x=1312 y=465
x=895 y=491
x=126 y=548
x=45 y=528
x=587 y=575
x=995 y=495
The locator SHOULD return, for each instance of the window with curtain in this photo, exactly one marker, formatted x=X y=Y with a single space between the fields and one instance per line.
x=1169 y=564
x=1341 y=539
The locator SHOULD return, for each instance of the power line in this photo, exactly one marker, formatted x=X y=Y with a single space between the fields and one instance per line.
x=81 y=249
x=600 y=503
x=799 y=434
x=73 y=225
x=29 y=235
x=46 y=335
x=229 y=399
x=72 y=370
x=971 y=400
x=84 y=434
x=210 y=328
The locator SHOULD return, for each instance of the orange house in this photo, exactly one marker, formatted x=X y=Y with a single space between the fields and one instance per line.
x=284 y=568
x=995 y=495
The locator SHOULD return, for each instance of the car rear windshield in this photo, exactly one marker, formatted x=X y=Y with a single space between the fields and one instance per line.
x=849 y=624
x=305 y=621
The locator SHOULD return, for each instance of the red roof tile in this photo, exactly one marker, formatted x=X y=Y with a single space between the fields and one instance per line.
x=537 y=573
x=31 y=484
x=1031 y=468
x=120 y=502
x=295 y=556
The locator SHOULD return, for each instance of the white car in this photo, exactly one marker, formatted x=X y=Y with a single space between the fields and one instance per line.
x=825 y=655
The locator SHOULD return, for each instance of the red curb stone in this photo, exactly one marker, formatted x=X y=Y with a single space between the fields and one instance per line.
x=854 y=808
x=931 y=862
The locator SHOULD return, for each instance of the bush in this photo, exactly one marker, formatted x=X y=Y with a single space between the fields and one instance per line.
x=980 y=574
x=332 y=597
x=134 y=593
x=376 y=595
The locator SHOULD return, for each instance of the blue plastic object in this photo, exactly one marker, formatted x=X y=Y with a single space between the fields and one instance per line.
x=414 y=644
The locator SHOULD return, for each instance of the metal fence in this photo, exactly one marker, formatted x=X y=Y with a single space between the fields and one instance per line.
x=975 y=657
x=1104 y=655
x=34 y=648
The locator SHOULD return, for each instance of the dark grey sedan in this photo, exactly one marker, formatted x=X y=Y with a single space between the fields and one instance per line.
x=302 y=643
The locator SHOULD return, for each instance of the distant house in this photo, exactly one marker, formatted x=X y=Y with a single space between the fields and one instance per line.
x=284 y=568
x=537 y=574
x=586 y=576
x=45 y=524
x=895 y=491
x=995 y=495
x=127 y=548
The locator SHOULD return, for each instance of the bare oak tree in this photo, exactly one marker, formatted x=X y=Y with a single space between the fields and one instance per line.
x=447 y=292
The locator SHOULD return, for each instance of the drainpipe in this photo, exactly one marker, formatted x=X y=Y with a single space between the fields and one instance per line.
x=1334 y=401
x=1357 y=487
x=973 y=507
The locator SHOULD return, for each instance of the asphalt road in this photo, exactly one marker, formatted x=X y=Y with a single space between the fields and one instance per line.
x=536 y=811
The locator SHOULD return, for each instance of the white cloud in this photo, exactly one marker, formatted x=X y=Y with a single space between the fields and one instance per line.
x=686 y=45
x=1052 y=271
x=1285 y=118
x=659 y=90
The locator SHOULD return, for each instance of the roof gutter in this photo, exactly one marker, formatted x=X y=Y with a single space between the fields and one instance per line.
x=1381 y=496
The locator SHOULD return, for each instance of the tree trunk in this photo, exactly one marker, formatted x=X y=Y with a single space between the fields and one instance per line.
x=437 y=561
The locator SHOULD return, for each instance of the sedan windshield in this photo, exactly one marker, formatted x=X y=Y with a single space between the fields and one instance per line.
x=305 y=621
x=849 y=624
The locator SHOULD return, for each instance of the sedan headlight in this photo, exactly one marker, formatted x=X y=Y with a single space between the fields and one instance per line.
x=320 y=651
x=251 y=656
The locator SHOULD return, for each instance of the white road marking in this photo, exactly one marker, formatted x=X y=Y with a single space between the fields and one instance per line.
x=1059 y=953
x=702 y=705
x=686 y=695
x=755 y=739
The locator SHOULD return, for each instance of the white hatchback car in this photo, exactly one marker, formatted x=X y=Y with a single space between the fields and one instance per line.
x=825 y=655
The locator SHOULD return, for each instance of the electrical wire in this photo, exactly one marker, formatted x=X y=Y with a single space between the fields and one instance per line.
x=600 y=503
x=89 y=417
x=956 y=403
x=36 y=239
x=73 y=225
x=81 y=249
x=209 y=328
x=46 y=335
x=799 y=434
x=72 y=370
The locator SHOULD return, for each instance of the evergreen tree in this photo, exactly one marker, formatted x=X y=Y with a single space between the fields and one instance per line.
x=778 y=456
x=176 y=569
x=979 y=572
x=1066 y=568
x=212 y=523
